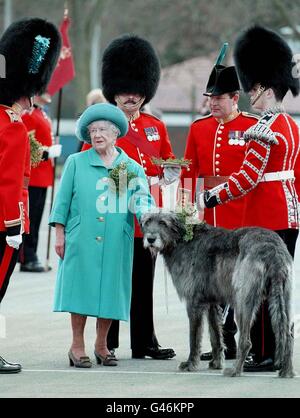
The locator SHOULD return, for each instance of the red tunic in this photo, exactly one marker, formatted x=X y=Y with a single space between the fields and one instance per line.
x=14 y=172
x=37 y=120
x=217 y=149
x=270 y=204
x=150 y=140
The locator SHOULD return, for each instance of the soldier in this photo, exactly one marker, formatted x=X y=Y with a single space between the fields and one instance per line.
x=130 y=76
x=31 y=48
x=38 y=124
x=267 y=174
x=216 y=147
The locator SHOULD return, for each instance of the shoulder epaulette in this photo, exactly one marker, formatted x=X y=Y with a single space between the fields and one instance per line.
x=14 y=117
x=250 y=115
x=262 y=131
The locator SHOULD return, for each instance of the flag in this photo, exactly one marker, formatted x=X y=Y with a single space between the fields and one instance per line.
x=65 y=70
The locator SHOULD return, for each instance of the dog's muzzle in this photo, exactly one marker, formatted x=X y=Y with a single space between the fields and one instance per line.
x=151 y=241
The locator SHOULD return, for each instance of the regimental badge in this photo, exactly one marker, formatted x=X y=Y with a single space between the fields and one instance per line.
x=14 y=117
x=152 y=134
x=236 y=138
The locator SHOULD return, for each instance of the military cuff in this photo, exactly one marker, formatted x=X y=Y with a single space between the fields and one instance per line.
x=13 y=230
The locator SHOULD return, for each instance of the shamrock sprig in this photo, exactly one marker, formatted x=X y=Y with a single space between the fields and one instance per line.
x=187 y=215
x=36 y=150
x=175 y=161
x=121 y=177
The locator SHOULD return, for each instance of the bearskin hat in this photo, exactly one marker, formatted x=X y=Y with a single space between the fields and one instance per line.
x=30 y=48
x=262 y=56
x=130 y=65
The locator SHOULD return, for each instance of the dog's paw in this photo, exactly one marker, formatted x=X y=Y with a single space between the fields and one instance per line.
x=188 y=366
x=215 y=365
x=231 y=372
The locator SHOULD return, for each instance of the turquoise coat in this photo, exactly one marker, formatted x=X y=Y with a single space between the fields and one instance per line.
x=94 y=278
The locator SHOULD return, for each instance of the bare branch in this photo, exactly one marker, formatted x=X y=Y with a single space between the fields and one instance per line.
x=283 y=11
x=94 y=14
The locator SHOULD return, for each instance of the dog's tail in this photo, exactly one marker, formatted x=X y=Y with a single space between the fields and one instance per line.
x=279 y=298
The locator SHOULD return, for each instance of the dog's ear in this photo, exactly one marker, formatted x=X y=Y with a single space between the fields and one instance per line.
x=176 y=224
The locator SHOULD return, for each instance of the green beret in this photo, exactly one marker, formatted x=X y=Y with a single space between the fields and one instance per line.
x=97 y=112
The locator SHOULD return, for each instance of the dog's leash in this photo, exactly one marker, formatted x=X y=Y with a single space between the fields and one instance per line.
x=166 y=287
x=169 y=202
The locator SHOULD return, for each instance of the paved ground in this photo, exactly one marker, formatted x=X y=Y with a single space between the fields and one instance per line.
x=40 y=339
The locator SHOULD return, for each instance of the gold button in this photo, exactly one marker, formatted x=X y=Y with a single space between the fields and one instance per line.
x=99 y=239
x=220 y=132
x=218 y=156
x=142 y=155
x=217 y=162
x=222 y=127
x=101 y=219
x=218 y=145
x=145 y=168
x=217 y=170
x=219 y=139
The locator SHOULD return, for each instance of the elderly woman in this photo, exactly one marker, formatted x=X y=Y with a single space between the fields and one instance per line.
x=94 y=221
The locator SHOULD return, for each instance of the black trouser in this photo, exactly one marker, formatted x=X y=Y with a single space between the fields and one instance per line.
x=8 y=260
x=229 y=330
x=37 y=198
x=262 y=336
x=141 y=314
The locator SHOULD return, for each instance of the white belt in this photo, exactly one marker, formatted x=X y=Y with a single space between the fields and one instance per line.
x=153 y=180
x=278 y=175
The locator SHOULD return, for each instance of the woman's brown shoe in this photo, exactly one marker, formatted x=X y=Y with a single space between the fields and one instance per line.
x=81 y=363
x=108 y=360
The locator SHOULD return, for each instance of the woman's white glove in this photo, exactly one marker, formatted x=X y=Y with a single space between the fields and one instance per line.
x=171 y=174
x=14 y=241
x=54 y=151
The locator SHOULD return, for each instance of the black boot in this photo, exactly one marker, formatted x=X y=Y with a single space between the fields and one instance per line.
x=156 y=353
x=33 y=267
x=8 y=368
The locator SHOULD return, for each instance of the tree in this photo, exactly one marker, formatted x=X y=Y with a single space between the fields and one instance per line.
x=85 y=20
x=289 y=15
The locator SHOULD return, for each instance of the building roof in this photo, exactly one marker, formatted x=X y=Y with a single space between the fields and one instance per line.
x=183 y=84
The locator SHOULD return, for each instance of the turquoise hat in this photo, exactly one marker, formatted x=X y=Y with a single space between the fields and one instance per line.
x=100 y=111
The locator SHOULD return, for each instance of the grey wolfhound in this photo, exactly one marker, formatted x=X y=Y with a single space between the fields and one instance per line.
x=242 y=268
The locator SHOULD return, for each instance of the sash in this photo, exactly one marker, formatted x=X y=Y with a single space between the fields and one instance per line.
x=145 y=146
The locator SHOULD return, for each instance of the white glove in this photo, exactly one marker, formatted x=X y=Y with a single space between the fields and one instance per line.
x=14 y=241
x=200 y=201
x=54 y=151
x=171 y=174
